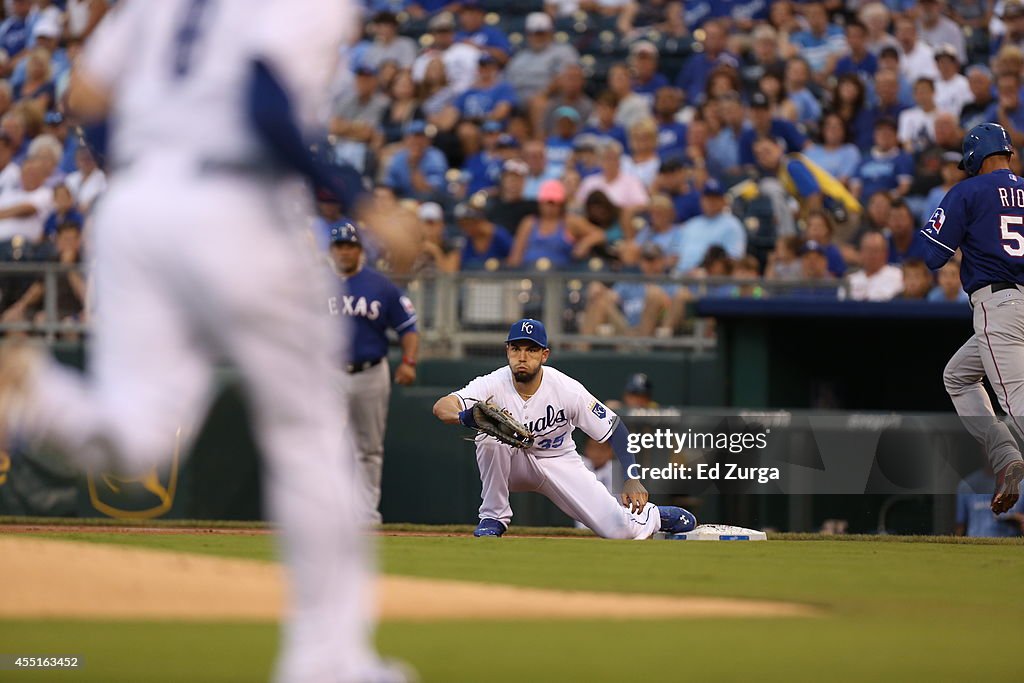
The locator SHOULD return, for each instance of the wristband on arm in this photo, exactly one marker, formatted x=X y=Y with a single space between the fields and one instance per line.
x=467 y=419
x=620 y=445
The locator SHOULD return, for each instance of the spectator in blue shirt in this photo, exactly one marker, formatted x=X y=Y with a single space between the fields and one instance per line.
x=974 y=512
x=763 y=124
x=714 y=227
x=835 y=154
x=602 y=124
x=693 y=76
x=1007 y=109
x=484 y=241
x=560 y=143
x=823 y=43
x=484 y=167
x=701 y=13
x=807 y=105
x=819 y=231
x=905 y=240
x=490 y=39
x=490 y=97
x=949 y=289
x=417 y=170
x=671 y=133
x=886 y=167
x=644 y=60
x=888 y=105
x=674 y=181
x=15 y=30
x=858 y=61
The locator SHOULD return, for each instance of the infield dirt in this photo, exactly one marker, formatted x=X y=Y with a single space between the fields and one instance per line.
x=69 y=579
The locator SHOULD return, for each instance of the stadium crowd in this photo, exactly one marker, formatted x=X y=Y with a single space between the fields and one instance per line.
x=794 y=142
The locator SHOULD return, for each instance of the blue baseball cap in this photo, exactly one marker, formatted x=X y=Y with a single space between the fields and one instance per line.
x=345 y=233
x=528 y=329
x=713 y=188
x=639 y=383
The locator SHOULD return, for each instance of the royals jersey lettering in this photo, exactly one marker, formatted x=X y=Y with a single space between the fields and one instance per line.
x=560 y=405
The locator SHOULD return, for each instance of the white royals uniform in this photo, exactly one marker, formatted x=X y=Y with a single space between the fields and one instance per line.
x=200 y=256
x=552 y=466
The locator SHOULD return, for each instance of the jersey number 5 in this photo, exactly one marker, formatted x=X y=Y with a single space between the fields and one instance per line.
x=1008 y=228
x=187 y=35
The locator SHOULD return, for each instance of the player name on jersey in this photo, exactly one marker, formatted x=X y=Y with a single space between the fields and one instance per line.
x=1011 y=197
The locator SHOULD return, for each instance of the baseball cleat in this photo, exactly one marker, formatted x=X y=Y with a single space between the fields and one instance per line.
x=18 y=360
x=489 y=527
x=676 y=520
x=1008 y=487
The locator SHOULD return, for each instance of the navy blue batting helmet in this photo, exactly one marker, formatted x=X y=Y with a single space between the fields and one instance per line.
x=983 y=141
x=345 y=233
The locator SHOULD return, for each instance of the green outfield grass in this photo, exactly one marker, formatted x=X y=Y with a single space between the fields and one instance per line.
x=892 y=611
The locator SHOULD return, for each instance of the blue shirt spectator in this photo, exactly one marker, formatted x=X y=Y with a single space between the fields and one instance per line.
x=974 y=513
x=697 y=12
x=841 y=162
x=483 y=240
x=714 y=227
x=788 y=135
x=479 y=102
x=693 y=77
x=821 y=40
x=864 y=68
x=416 y=170
x=671 y=139
x=15 y=32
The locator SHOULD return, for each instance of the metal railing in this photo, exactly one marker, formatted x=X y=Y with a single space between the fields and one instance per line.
x=51 y=327
x=469 y=312
x=473 y=309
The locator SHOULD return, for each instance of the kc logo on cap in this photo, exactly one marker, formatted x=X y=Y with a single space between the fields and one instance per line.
x=528 y=329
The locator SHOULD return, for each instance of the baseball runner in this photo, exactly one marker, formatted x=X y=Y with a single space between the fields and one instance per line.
x=983 y=217
x=372 y=305
x=206 y=100
x=542 y=408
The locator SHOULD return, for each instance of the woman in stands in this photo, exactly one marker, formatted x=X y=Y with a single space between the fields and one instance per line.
x=835 y=153
x=553 y=238
x=404 y=107
x=643 y=160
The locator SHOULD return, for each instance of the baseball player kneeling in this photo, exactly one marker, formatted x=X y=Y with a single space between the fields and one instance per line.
x=534 y=409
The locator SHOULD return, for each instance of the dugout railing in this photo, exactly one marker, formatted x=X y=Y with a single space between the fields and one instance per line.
x=469 y=312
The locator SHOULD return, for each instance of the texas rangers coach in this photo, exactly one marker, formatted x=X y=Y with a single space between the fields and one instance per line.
x=372 y=304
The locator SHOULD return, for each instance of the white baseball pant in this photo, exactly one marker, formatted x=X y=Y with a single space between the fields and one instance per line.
x=189 y=271
x=566 y=482
x=997 y=351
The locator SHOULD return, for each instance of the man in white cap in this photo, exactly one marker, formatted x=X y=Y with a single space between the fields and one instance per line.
x=532 y=71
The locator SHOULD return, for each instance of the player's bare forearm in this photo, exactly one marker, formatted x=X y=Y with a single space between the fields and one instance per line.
x=447 y=409
x=406 y=373
x=410 y=342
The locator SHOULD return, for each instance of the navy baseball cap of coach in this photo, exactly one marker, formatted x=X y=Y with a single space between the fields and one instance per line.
x=528 y=329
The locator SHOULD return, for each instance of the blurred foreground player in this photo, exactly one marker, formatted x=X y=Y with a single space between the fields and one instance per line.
x=550 y=404
x=983 y=217
x=207 y=100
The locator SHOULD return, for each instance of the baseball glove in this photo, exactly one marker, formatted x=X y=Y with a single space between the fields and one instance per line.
x=493 y=420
